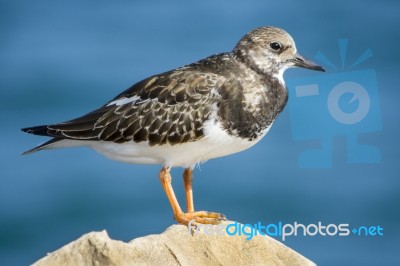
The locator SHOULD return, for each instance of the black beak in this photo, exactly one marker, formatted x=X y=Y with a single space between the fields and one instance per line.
x=300 y=61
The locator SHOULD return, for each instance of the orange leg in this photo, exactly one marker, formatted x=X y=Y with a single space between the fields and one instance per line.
x=166 y=180
x=202 y=217
x=187 y=181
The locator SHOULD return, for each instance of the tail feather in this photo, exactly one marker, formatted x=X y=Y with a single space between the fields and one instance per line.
x=38 y=130
x=58 y=138
x=41 y=131
x=69 y=133
x=41 y=146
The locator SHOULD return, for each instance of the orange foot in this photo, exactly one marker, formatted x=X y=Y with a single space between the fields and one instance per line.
x=201 y=217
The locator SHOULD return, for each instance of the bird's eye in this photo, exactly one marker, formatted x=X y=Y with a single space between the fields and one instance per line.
x=276 y=46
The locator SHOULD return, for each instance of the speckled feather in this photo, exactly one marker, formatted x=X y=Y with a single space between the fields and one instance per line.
x=172 y=107
x=226 y=102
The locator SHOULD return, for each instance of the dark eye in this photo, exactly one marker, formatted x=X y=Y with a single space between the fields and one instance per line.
x=276 y=46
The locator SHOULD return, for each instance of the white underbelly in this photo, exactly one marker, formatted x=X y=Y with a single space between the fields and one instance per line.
x=216 y=143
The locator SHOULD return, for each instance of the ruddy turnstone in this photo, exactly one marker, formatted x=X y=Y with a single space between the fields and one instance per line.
x=217 y=106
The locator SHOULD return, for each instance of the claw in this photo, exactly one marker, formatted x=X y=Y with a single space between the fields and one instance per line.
x=200 y=217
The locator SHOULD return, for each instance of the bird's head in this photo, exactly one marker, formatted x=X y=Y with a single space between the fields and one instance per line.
x=270 y=50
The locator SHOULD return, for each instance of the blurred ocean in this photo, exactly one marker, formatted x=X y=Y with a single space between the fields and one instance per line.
x=61 y=60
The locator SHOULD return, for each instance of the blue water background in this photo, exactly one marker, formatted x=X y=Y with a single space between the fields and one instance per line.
x=61 y=60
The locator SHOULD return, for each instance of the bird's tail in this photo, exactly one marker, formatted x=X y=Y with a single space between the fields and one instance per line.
x=38 y=130
x=42 y=131
x=46 y=145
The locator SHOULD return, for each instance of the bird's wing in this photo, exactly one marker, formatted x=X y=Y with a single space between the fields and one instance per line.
x=166 y=108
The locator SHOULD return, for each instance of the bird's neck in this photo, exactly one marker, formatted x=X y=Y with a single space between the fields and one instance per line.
x=251 y=101
x=258 y=62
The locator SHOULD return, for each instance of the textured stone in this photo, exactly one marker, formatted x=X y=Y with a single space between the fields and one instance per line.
x=175 y=246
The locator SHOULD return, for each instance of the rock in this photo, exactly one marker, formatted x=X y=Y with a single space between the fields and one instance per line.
x=175 y=246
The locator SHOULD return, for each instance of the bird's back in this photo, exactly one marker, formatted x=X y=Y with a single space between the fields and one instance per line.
x=173 y=107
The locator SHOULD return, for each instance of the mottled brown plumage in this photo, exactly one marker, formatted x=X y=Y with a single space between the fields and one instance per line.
x=215 y=107
x=170 y=108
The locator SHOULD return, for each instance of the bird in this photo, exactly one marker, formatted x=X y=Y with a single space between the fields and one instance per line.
x=214 y=107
